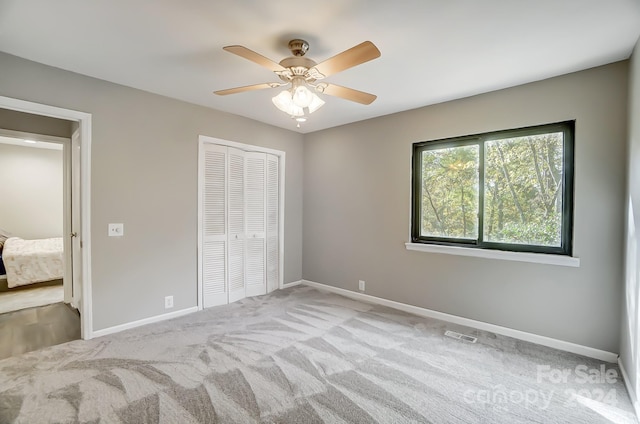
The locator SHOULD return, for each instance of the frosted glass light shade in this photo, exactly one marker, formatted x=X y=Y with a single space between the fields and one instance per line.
x=296 y=111
x=284 y=102
x=316 y=103
x=302 y=97
x=294 y=103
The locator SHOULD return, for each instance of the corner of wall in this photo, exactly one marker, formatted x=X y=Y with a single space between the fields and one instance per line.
x=630 y=318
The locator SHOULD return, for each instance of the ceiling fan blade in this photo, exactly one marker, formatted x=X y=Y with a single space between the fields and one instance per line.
x=357 y=55
x=349 y=94
x=254 y=57
x=247 y=88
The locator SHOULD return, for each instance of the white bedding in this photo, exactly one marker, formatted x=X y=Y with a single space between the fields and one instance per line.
x=32 y=261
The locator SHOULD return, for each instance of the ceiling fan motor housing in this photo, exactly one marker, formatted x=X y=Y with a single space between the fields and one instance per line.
x=298 y=47
x=298 y=65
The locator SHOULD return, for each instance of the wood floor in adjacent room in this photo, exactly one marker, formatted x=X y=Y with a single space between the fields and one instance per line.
x=36 y=328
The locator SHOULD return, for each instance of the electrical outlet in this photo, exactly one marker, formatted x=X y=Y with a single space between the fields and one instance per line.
x=361 y=285
x=168 y=302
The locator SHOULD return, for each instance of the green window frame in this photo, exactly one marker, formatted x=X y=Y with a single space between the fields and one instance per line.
x=540 y=192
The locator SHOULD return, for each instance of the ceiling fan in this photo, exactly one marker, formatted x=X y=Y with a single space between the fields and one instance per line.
x=304 y=77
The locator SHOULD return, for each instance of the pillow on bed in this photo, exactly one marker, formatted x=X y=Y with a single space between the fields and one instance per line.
x=4 y=235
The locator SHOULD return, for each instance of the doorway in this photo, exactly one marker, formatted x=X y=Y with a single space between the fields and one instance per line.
x=76 y=226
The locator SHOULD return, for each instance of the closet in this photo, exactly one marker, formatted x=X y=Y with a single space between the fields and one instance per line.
x=239 y=223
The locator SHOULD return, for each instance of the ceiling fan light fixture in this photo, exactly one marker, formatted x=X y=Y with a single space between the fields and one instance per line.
x=293 y=104
x=303 y=75
x=302 y=97
x=284 y=102
x=296 y=111
x=316 y=103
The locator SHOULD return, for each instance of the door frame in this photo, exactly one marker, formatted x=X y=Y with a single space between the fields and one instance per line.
x=84 y=125
x=202 y=140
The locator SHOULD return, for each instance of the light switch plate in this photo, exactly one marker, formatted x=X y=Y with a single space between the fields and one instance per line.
x=116 y=230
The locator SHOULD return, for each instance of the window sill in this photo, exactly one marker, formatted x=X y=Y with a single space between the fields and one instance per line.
x=538 y=258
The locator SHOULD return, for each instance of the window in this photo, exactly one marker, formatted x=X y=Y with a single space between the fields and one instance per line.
x=508 y=190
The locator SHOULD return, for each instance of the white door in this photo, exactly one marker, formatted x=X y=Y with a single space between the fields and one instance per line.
x=236 y=228
x=255 y=196
x=273 y=220
x=214 y=225
x=76 y=221
x=239 y=225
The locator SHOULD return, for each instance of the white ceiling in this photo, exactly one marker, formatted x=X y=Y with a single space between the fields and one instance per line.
x=432 y=50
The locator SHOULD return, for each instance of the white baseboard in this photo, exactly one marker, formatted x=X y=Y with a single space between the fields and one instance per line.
x=632 y=393
x=510 y=332
x=292 y=284
x=145 y=321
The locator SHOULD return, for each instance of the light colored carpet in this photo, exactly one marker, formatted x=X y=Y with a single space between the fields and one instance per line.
x=303 y=356
x=29 y=298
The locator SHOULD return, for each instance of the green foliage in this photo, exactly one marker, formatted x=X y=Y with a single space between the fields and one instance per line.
x=522 y=190
x=450 y=192
x=536 y=233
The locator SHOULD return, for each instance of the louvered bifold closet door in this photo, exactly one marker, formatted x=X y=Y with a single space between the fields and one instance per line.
x=255 y=193
x=236 y=229
x=214 y=226
x=273 y=222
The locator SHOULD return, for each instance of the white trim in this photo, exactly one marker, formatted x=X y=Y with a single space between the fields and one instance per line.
x=67 y=190
x=281 y=168
x=199 y=246
x=632 y=393
x=537 y=258
x=145 y=321
x=510 y=332
x=84 y=122
x=202 y=139
x=75 y=217
x=85 y=163
x=292 y=284
x=240 y=146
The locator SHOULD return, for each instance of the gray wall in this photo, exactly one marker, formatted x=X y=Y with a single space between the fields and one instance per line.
x=630 y=334
x=31 y=194
x=357 y=201
x=144 y=174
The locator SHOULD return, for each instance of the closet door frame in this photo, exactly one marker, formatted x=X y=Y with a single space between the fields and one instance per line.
x=202 y=141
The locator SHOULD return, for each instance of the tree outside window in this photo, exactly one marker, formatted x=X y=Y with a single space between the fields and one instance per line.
x=508 y=190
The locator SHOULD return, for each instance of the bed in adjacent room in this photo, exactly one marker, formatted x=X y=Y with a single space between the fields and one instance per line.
x=32 y=261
